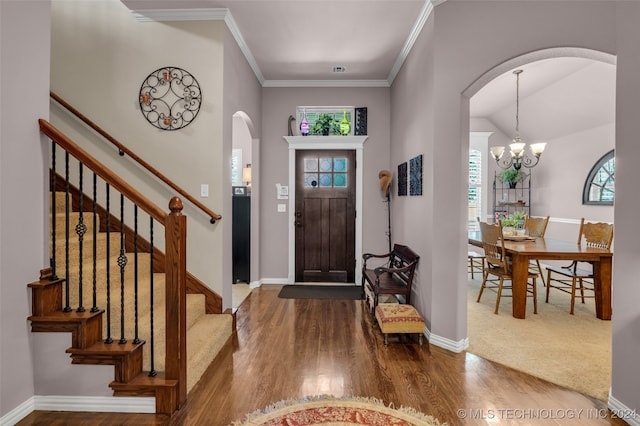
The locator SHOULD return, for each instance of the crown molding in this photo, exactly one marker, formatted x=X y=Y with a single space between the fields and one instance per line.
x=237 y=35
x=223 y=14
x=160 y=15
x=413 y=35
x=203 y=14
x=325 y=83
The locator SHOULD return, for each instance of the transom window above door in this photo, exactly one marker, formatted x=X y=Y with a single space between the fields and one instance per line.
x=325 y=172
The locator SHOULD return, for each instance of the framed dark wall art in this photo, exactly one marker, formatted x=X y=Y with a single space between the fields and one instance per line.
x=415 y=175
x=402 y=179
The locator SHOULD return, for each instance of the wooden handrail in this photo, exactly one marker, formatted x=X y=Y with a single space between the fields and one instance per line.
x=101 y=170
x=122 y=150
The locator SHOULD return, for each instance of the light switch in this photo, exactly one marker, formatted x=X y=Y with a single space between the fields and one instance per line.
x=204 y=190
x=282 y=208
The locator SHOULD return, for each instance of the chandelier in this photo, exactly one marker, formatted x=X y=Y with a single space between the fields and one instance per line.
x=518 y=156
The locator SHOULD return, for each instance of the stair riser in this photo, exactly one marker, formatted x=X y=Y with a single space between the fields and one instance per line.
x=74 y=220
x=87 y=247
x=143 y=292
x=101 y=267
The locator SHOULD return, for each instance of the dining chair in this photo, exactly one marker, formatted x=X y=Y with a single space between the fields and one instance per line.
x=536 y=227
x=568 y=278
x=498 y=266
x=476 y=260
x=476 y=263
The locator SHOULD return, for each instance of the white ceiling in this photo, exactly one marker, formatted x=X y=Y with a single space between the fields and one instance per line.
x=558 y=97
x=293 y=40
x=297 y=42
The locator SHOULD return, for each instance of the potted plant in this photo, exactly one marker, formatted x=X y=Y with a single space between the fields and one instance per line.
x=509 y=226
x=324 y=125
x=519 y=217
x=511 y=177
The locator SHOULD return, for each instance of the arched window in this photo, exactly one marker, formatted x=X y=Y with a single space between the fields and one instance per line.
x=599 y=188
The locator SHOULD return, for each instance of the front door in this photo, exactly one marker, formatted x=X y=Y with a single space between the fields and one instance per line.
x=325 y=216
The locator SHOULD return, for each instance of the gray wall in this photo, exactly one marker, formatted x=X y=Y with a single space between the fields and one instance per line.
x=242 y=93
x=110 y=60
x=468 y=39
x=277 y=105
x=24 y=83
x=429 y=116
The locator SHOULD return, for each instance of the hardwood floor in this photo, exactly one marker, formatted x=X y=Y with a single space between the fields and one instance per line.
x=286 y=348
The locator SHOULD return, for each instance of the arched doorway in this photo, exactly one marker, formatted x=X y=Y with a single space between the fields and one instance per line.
x=245 y=174
x=555 y=73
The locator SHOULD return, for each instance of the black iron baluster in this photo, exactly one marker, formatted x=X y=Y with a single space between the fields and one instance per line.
x=122 y=262
x=136 y=338
x=66 y=308
x=108 y=215
x=152 y=371
x=81 y=229
x=94 y=283
x=54 y=210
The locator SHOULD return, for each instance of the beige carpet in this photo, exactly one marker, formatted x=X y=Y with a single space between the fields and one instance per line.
x=239 y=292
x=573 y=351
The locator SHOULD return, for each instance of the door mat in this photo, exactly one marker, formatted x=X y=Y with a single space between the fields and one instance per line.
x=338 y=292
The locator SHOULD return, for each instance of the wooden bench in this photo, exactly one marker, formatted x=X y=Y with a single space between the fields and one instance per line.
x=394 y=277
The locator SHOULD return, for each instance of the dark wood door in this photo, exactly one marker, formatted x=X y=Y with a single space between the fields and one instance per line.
x=325 y=216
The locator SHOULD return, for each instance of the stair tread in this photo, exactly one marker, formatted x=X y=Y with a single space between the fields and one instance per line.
x=144 y=380
x=114 y=348
x=61 y=316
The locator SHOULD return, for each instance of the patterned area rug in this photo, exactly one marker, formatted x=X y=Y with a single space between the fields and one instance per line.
x=328 y=410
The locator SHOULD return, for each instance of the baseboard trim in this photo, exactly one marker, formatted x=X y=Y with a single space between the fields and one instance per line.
x=448 y=344
x=18 y=413
x=104 y=404
x=100 y=404
x=278 y=281
x=627 y=414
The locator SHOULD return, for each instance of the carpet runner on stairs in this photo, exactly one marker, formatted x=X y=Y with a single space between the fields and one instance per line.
x=206 y=333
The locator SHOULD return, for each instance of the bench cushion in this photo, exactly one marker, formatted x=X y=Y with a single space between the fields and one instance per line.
x=399 y=318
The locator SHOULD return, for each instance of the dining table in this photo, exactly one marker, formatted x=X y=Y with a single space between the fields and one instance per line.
x=523 y=249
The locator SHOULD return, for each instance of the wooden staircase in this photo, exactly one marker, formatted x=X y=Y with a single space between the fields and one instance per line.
x=126 y=344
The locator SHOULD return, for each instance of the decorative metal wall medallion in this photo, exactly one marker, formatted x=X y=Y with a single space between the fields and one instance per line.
x=170 y=98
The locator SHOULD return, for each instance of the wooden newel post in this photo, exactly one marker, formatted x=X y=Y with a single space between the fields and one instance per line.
x=176 y=288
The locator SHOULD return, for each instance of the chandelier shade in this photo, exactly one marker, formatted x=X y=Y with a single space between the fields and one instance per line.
x=519 y=156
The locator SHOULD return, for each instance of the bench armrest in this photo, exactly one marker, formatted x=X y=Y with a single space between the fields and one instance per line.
x=381 y=270
x=368 y=256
